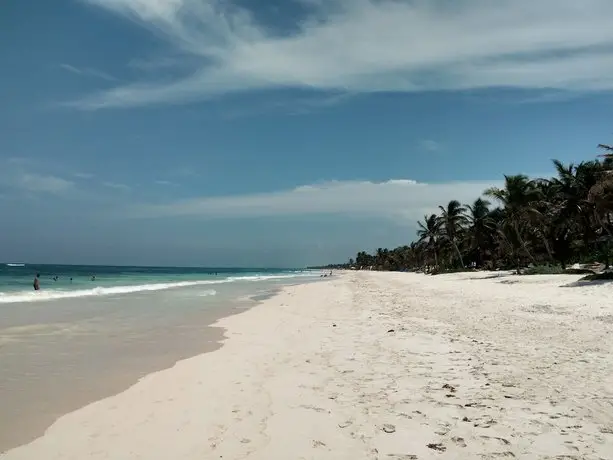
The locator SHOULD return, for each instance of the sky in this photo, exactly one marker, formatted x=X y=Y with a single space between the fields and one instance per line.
x=280 y=132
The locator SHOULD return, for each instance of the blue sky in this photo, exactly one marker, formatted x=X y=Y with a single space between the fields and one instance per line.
x=280 y=133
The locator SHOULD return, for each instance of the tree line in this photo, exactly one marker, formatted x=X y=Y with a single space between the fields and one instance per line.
x=553 y=221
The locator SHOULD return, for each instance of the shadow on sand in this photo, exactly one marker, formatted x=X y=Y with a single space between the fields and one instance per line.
x=493 y=276
x=587 y=283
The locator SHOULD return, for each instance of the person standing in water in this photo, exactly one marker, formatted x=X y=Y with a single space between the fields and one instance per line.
x=36 y=282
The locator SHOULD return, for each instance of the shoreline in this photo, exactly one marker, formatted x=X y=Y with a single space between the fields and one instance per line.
x=373 y=366
x=60 y=355
x=121 y=371
x=216 y=336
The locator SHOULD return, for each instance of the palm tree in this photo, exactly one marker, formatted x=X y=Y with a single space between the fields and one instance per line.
x=508 y=244
x=608 y=149
x=518 y=198
x=601 y=195
x=428 y=232
x=453 y=220
x=363 y=260
x=563 y=218
x=480 y=225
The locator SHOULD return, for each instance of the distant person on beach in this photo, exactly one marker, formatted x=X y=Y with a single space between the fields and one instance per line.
x=36 y=282
x=93 y=277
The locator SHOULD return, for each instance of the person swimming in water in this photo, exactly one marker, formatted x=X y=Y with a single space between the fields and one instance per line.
x=36 y=282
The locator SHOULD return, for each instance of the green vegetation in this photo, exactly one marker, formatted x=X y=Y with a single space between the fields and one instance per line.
x=544 y=270
x=546 y=224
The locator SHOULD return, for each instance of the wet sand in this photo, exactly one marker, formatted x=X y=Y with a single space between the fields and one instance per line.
x=58 y=356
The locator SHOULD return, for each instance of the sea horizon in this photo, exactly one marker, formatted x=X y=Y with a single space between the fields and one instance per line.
x=224 y=267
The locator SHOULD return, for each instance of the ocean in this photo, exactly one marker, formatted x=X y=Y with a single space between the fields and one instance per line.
x=69 y=281
x=74 y=342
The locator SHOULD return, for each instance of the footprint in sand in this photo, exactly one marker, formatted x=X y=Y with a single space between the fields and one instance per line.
x=315 y=408
x=388 y=428
x=486 y=424
x=450 y=388
x=459 y=441
x=571 y=447
x=500 y=440
x=497 y=455
x=436 y=446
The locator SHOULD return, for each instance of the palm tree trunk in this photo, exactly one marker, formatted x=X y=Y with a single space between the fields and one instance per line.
x=522 y=242
x=479 y=255
x=457 y=249
x=546 y=243
x=518 y=266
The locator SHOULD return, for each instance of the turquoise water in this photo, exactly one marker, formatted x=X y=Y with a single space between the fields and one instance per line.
x=68 y=281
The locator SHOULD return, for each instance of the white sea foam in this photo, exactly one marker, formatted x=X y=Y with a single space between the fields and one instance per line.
x=15 y=265
x=55 y=294
x=266 y=277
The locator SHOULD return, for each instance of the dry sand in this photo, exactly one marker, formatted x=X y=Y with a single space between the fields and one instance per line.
x=376 y=366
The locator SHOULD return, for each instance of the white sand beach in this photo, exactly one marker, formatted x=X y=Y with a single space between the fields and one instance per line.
x=376 y=366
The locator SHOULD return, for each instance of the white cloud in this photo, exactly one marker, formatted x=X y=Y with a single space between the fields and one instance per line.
x=165 y=182
x=83 y=175
x=398 y=199
x=43 y=183
x=117 y=186
x=87 y=72
x=373 y=45
x=180 y=63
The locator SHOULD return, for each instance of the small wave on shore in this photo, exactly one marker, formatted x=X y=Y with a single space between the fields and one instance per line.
x=55 y=294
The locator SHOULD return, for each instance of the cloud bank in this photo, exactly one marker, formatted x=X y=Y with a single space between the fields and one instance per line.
x=42 y=183
x=402 y=200
x=22 y=176
x=362 y=46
